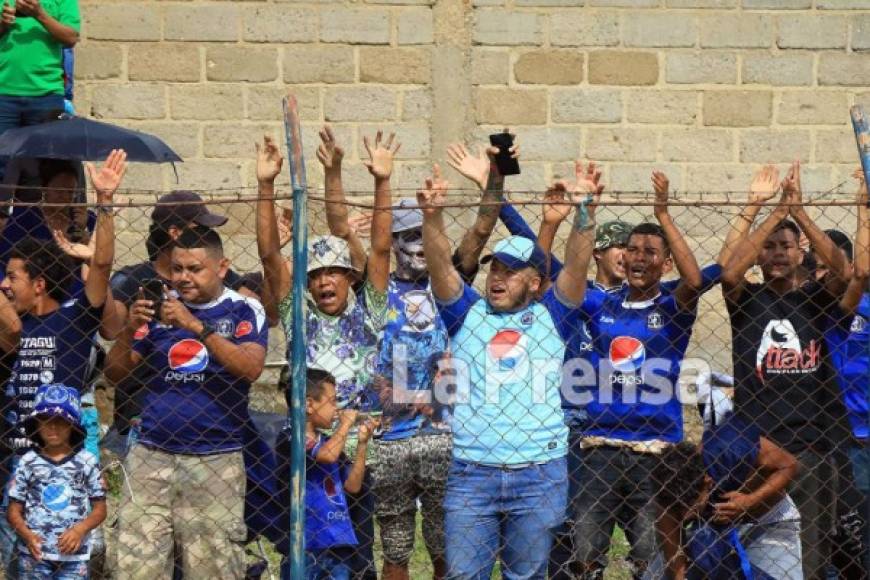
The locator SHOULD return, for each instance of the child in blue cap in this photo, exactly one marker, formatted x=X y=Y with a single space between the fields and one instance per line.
x=56 y=496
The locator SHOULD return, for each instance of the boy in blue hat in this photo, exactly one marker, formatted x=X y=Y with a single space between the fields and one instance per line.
x=57 y=496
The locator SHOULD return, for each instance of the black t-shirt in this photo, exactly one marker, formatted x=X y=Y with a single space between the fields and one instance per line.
x=784 y=382
x=125 y=285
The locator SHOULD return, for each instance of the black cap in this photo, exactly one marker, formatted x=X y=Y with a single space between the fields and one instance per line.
x=182 y=207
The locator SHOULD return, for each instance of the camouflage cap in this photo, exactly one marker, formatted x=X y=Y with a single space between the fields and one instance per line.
x=328 y=252
x=613 y=233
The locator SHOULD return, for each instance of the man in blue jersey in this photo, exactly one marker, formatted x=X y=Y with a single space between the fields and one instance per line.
x=413 y=454
x=507 y=488
x=639 y=339
x=187 y=472
x=850 y=356
x=56 y=332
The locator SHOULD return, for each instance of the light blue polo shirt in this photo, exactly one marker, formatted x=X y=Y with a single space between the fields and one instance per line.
x=508 y=365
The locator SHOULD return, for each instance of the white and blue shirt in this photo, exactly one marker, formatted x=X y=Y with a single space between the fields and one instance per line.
x=56 y=496
x=191 y=403
x=414 y=341
x=509 y=369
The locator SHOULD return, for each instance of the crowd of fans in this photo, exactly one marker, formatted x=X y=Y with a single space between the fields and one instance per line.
x=525 y=414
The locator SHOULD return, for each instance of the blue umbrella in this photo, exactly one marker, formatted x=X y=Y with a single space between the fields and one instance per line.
x=79 y=139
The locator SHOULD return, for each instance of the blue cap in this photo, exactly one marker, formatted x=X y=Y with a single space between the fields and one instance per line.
x=56 y=400
x=517 y=252
x=407 y=216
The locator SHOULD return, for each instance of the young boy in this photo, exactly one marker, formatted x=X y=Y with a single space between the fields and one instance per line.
x=724 y=513
x=56 y=496
x=329 y=535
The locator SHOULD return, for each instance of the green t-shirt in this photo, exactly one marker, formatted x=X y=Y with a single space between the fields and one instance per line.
x=30 y=59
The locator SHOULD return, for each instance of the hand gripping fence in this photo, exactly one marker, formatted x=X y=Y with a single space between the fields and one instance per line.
x=697 y=405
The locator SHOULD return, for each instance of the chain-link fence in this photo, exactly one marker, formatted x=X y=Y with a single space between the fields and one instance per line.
x=473 y=402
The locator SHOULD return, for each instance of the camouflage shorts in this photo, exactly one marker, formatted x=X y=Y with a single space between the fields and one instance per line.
x=193 y=502
x=405 y=471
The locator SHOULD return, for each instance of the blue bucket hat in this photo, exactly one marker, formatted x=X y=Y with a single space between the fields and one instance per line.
x=517 y=252
x=56 y=400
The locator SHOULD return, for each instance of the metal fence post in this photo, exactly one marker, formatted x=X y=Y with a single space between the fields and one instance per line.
x=293 y=134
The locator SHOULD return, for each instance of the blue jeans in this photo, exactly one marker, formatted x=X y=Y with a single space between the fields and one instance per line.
x=859 y=455
x=492 y=511
x=29 y=568
x=326 y=565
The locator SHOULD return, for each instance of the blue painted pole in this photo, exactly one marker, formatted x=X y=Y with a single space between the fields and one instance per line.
x=293 y=134
x=862 y=137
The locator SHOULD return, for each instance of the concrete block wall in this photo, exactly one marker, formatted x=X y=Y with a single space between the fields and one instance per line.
x=704 y=89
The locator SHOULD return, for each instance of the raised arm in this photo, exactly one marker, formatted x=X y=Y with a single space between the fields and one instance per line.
x=571 y=283
x=689 y=288
x=330 y=155
x=445 y=280
x=825 y=248
x=861 y=264
x=482 y=170
x=380 y=165
x=106 y=183
x=746 y=253
x=7 y=17
x=121 y=358
x=765 y=184
x=276 y=271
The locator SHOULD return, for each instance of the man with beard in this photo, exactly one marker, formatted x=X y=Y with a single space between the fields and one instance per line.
x=413 y=453
x=785 y=383
x=506 y=486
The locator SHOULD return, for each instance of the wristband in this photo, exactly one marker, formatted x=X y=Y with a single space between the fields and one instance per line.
x=106 y=209
x=582 y=220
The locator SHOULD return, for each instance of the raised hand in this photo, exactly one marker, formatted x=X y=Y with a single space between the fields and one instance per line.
x=107 y=180
x=141 y=312
x=76 y=251
x=791 y=188
x=329 y=152
x=585 y=192
x=432 y=197
x=175 y=313
x=661 y=185
x=361 y=224
x=380 y=163
x=269 y=160
x=557 y=208
x=476 y=168
x=858 y=175
x=765 y=184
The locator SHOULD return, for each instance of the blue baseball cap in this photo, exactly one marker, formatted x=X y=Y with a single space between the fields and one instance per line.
x=56 y=400
x=407 y=216
x=517 y=252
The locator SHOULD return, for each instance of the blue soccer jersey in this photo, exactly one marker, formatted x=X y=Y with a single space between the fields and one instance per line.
x=55 y=347
x=414 y=341
x=327 y=516
x=509 y=369
x=851 y=359
x=56 y=496
x=192 y=404
x=639 y=347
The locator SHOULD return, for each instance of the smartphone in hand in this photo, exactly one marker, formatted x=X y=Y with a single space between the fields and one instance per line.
x=506 y=164
x=152 y=288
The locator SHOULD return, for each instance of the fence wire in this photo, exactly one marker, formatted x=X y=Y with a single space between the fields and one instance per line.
x=498 y=416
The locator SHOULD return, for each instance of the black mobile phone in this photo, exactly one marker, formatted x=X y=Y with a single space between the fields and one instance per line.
x=152 y=288
x=506 y=164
